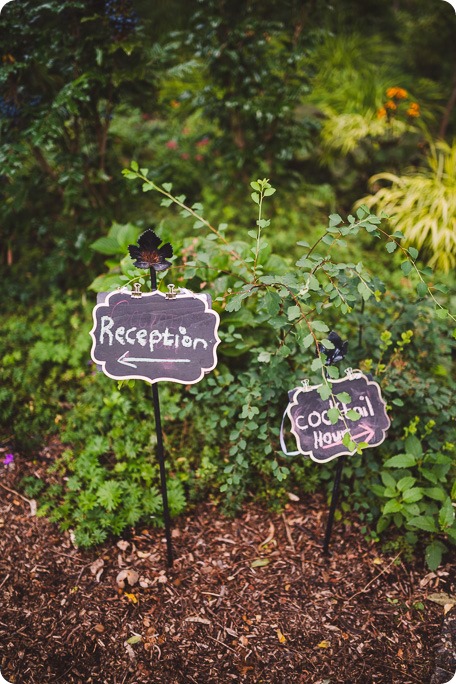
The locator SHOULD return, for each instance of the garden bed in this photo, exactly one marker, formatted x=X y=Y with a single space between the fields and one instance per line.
x=249 y=599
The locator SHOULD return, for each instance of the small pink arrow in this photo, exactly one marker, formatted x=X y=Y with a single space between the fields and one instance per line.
x=368 y=432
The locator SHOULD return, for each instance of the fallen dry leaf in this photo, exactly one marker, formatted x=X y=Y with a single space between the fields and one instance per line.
x=324 y=644
x=130 y=575
x=123 y=545
x=259 y=562
x=97 y=566
x=196 y=618
x=270 y=536
x=281 y=637
x=131 y=597
x=442 y=599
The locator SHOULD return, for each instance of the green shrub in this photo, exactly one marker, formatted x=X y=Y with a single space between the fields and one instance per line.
x=44 y=352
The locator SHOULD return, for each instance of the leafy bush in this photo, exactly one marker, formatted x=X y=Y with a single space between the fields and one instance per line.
x=273 y=320
x=44 y=353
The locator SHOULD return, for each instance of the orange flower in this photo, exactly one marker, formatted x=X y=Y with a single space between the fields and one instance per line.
x=390 y=105
x=396 y=93
x=414 y=110
x=381 y=113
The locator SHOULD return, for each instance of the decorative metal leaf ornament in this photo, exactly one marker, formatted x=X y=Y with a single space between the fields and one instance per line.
x=148 y=253
x=340 y=349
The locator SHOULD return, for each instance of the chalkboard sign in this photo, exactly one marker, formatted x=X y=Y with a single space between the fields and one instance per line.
x=310 y=424
x=153 y=336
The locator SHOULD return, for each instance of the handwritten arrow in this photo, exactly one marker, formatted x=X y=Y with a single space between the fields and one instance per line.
x=127 y=360
x=368 y=432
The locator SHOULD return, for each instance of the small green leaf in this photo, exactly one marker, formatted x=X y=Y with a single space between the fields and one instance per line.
x=406 y=267
x=264 y=357
x=293 y=312
x=308 y=341
x=392 y=506
x=260 y=562
x=353 y=415
x=391 y=246
x=269 y=191
x=446 y=514
x=167 y=186
x=317 y=364
x=406 y=483
x=388 y=480
x=421 y=289
x=134 y=639
x=335 y=220
x=106 y=245
x=324 y=391
x=400 y=461
x=413 y=253
x=320 y=326
x=333 y=415
x=435 y=493
x=413 y=446
x=333 y=371
x=423 y=522
x=256 y=198
x=344 y=397
x=134 y=165
x=412 y=495
x=434 y=553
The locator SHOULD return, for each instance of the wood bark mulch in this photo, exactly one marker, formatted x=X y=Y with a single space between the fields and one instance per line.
x=249 y=599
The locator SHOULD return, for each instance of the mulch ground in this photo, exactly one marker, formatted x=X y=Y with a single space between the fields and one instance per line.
x=249 y=599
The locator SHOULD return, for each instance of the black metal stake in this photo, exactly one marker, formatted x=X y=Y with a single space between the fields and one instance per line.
x=334 y=357
x=161 y=454
x=334 y=502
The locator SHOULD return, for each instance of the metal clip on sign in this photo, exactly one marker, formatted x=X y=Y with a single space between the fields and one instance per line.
x=171 y=294
x=136 y=290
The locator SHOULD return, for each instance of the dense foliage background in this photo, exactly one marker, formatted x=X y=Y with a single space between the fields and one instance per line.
x=341 y=106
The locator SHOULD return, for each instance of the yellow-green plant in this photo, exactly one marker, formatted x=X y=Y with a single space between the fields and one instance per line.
x=422 y=204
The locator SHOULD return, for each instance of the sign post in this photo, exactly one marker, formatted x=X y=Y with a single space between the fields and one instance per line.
x=361 y=415
x=155 y=336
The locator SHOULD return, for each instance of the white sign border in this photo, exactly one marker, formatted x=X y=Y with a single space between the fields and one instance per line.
x=186 y=295
x=356 y=374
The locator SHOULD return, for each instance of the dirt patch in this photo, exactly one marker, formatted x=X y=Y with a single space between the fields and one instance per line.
x=248 y=600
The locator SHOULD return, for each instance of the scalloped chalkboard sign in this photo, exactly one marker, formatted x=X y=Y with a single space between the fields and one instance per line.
x=153 y=336
x=317 y=437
